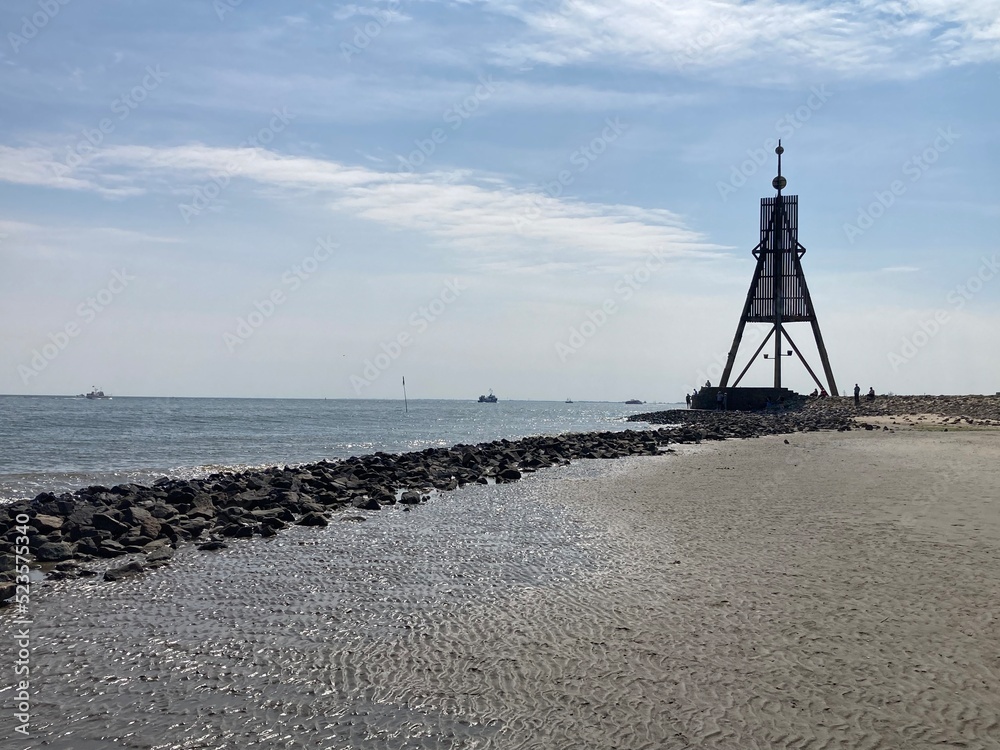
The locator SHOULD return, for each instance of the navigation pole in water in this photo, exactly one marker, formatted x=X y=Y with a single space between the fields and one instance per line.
x=778 y=293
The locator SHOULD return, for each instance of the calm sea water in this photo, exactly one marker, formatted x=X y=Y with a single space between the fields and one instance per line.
x=54 y=444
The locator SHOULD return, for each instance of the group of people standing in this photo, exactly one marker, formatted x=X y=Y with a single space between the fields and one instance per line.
x=870 y=396
x=721 y=398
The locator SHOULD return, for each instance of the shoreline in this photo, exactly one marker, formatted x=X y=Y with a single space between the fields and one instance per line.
x=798 y=589
x=81 y=534
x=144 y=525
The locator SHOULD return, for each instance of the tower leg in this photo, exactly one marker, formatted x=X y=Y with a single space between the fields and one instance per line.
x=823 y=357
x=731 y=359
x=777 y=355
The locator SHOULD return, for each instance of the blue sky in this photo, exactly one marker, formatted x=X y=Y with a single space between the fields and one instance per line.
x=549 y=199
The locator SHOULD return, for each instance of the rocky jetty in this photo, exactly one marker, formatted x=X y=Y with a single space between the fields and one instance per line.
x=144 y=524
x=978 y=408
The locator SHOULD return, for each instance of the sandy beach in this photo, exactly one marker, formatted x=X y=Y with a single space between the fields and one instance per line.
x=813 y=590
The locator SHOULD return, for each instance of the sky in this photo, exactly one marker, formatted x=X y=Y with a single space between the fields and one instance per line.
x=548 y=199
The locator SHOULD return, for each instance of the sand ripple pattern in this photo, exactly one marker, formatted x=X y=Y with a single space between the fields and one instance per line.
x=742 y=595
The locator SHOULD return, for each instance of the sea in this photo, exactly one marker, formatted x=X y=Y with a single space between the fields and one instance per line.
x=59 y=443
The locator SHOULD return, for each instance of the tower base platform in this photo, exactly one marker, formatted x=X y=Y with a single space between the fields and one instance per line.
x=745 y=399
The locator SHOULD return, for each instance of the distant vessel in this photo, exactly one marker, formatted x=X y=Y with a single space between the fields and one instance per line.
x=634 y=401
x=569 y=401
x=491 y=399
x=94 y=394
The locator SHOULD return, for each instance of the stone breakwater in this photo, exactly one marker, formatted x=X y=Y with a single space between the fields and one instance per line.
x=978 y=408
x=144 y=524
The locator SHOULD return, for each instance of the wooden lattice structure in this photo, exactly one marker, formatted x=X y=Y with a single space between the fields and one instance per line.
x=778 y=292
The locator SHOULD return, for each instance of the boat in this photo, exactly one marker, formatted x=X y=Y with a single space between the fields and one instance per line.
x=491 y=399
x=569 y=401
x=94 y=394
x=634 y=401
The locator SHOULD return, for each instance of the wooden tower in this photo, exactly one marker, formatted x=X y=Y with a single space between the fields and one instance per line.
x=778 y=293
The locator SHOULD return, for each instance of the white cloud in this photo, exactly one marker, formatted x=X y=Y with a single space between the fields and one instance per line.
x=495 y=224
x=760 y=39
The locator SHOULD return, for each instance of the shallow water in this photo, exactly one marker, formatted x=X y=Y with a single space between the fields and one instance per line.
x=387 y=633
x=57 y=444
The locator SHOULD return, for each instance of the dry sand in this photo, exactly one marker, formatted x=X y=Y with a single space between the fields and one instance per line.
x=838 y=590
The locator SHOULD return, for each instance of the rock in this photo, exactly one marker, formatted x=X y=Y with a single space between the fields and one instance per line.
x=509 y=475
x=212 y=545
x=367 y=503
x=237 y=530
x=144 y=520
x=410 y=498
x=110 y=549
x=160 y=556
x=106 y=522
x=45 y=523
x=313 y=519
x=128 y=569
x=54 y=551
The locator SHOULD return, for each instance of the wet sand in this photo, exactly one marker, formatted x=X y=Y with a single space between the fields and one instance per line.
x=837 y=590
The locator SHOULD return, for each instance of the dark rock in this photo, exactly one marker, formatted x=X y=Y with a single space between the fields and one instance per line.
x=313 y=519
x=110 y=549
x=237 y=530
x=128 y=569
x=45 y=523
x=213 y=545
x=106 y=522
x=367 y=503
x=54 y=551
x=160 y=556
x=161 y=512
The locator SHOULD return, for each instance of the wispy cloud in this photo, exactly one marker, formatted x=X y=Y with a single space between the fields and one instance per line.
x=500 y=226
x=764 y=39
